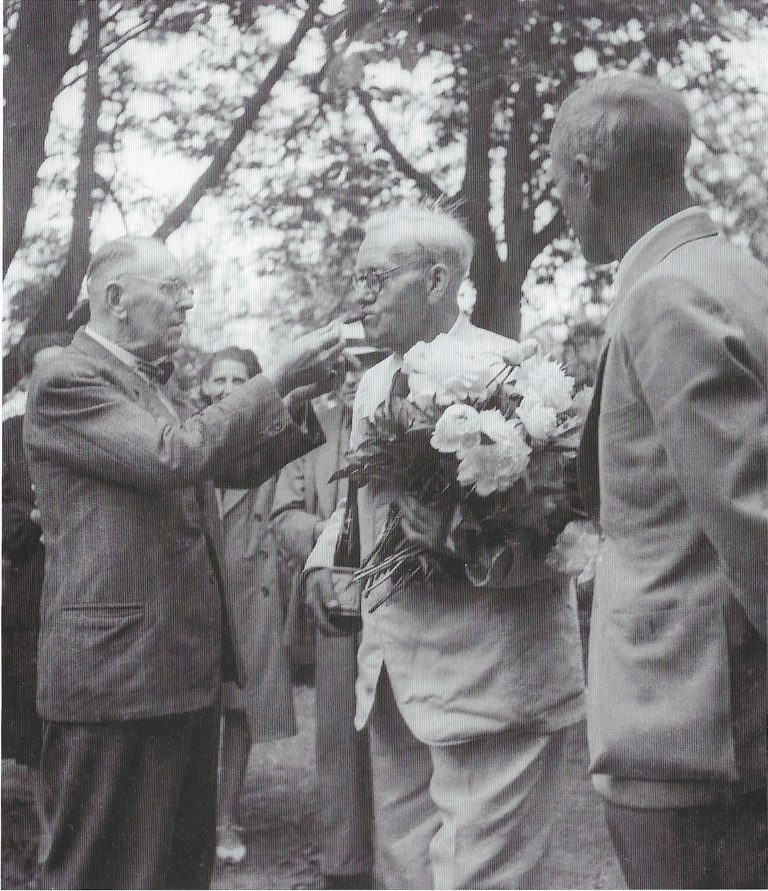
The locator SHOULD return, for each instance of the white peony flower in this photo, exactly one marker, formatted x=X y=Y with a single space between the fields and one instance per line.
x=446 y=371
x=544 y=381
x=457 y=429
x=539 y=420
x=576 y=550
x=495 y=467
x=495 y=426
x=516 y=352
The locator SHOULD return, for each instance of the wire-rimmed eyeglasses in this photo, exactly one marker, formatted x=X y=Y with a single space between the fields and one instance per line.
x=373 y=280
x=175 y=288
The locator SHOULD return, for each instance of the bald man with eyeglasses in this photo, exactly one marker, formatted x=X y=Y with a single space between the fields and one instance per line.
x=135 y=636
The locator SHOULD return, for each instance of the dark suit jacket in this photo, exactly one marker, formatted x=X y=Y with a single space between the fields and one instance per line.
x=134 y=607
x=675 y=439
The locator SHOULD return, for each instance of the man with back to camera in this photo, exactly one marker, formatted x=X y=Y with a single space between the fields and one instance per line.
x=134 y=638
x=673 y=463
x=467 y=693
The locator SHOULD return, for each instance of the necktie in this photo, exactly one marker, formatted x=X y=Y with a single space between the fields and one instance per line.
x=158 y=371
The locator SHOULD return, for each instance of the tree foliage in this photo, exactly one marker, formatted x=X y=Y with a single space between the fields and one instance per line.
x=300 y=118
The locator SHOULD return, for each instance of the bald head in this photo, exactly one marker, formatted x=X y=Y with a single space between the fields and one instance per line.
x=634 y=130
x=139 y=295
x=116 y=258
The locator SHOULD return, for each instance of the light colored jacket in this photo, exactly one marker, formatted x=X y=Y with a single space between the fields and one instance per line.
x=462 y=661
x=675 y=437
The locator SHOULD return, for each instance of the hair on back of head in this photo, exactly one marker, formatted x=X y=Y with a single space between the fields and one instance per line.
x=431 y=229
x=634 y=129
x=235 y=354
x=111 y=257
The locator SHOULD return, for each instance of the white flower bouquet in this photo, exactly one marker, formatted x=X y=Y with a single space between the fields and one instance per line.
x=480 y=441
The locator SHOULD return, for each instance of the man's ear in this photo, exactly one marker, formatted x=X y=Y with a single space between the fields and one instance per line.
x=438 y=283
x=585 y=173
x=593 y=181
x=114 y=299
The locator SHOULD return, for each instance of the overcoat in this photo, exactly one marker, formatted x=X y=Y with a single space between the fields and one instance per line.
x=304 y=496
x=259 y=603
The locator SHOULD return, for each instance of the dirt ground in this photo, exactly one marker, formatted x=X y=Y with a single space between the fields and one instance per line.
x=278 y=815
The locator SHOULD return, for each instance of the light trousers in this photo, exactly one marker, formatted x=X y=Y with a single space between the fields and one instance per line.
x=476 y=814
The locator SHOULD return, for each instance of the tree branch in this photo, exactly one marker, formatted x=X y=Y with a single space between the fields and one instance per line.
x=553 y=229
x=112 y=48
x=423 y=180
x=251 y=108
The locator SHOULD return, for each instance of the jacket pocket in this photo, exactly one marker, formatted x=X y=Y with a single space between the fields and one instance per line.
x=659 y=697
x=102 y=625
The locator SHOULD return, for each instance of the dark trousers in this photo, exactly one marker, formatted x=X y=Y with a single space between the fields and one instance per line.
x=720 y=845
x=131 y=804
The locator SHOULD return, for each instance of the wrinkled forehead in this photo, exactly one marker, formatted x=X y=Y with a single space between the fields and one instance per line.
x=379 y=245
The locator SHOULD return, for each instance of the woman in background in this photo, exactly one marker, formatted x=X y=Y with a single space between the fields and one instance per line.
x=262 y=710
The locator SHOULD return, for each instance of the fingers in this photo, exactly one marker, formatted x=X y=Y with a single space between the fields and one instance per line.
x=353 y=363
x=328 y=336
x=320 y=598
x=300 y=395
x=331 y=352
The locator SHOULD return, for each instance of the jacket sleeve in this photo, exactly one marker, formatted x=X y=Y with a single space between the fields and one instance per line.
x=93 y=426
x=293 y=524
x=322 y=553
x=707 y=398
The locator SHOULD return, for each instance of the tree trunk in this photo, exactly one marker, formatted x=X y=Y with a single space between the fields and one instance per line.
x=38 y=58
x=66 y=288
x=212 y=175
x=475 y=195
x=51 y=313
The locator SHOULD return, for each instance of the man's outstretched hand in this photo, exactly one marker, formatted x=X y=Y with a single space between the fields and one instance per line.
x=311 y=359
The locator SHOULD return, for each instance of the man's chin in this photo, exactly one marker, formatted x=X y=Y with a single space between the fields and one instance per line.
x=172 y=344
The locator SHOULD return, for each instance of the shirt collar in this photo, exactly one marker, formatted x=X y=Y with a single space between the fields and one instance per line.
x=118 y=352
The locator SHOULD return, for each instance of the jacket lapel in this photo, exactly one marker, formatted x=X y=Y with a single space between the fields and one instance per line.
x=134 y=383
x=229 y=499
x=588 y=463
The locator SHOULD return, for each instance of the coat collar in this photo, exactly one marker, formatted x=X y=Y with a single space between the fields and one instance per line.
x=137 y=383
x=229 y=499
x=645 y=254
x=659 y=242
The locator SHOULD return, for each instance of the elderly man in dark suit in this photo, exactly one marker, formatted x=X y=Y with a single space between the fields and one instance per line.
x=673 y=463
x=135 y=636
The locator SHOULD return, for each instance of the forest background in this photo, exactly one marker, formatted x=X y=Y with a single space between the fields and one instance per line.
x=256 y=137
